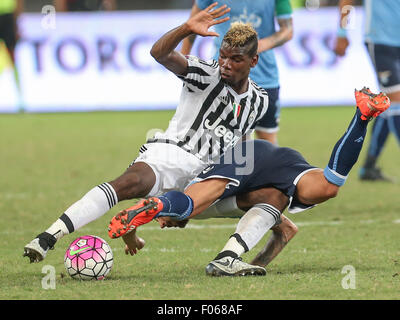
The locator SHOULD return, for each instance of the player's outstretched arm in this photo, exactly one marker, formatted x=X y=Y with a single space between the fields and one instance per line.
x=164 y=49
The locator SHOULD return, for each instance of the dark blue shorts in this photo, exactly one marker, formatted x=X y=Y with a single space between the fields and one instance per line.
x=256 y=164
x=270 y=121
x=386 y=60
x=8 y=33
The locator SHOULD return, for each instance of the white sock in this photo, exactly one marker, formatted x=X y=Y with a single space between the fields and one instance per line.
x=251 y=228
x=92 y=206
x=58 y=229
x=255 y=224
x=233 y=245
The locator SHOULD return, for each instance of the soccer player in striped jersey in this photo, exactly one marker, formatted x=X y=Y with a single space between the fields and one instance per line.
x=261 y=14
x=272 y=167
x=218 y=105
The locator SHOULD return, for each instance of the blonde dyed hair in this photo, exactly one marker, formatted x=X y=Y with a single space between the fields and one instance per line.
x=242 y=35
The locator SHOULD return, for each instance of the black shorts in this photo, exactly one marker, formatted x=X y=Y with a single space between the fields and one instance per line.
x=256 y=164
x=8 y=32
x=270 y=121
x=386 y=61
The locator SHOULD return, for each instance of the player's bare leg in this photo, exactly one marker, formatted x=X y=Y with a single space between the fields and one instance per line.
x=313 y=188
x=281 y=235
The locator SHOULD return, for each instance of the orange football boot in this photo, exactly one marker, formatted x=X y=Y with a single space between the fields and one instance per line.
x=371 y=105
x=129 y=219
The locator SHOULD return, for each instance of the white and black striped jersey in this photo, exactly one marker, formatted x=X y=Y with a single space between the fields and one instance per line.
x=211 y=117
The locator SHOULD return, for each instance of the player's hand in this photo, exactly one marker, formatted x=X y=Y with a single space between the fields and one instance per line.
x=341 y=46
x=133 y=243
x=203 y=20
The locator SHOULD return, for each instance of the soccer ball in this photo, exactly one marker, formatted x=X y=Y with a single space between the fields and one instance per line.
x=88 y=258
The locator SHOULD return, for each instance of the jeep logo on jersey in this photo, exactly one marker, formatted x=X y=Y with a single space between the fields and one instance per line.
x=220 y=130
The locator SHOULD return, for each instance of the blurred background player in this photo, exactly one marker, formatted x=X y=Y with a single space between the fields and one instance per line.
x=10 y=10
x=85 y=5
x=382 y=39
x=261 y=14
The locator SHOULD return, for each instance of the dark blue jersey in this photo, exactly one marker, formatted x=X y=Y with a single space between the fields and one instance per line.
x=256 y=164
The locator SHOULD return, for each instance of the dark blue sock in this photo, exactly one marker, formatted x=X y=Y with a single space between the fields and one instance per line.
x=176 y=204
x=346 y=151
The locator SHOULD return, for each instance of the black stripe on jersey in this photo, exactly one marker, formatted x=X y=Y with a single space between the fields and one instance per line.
x=231 y=115
x=213 y=64
x=197 y=70
x=217 y=113
x=198 y=84
x=221 y=145
x=260 y=109
x=210 y=148
x=258 y=88
x=252 y=101
x=199 y=145
x=242 y=103
x=200 y=117
x=190 y=90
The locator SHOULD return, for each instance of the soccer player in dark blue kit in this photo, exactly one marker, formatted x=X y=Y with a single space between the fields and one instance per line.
x=272 y=167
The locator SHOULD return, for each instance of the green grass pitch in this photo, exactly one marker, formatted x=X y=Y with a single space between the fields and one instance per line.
x=49 y=161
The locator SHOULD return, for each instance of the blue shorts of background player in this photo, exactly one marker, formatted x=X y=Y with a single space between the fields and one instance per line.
x=268 y=126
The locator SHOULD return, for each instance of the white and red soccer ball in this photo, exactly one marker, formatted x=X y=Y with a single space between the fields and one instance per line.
x=88 y=258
